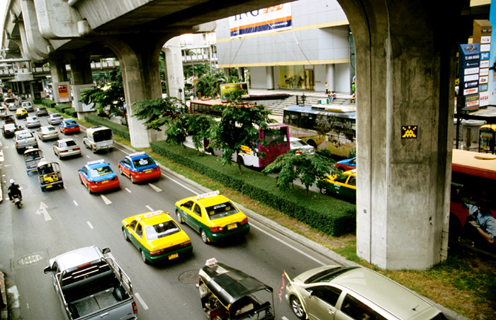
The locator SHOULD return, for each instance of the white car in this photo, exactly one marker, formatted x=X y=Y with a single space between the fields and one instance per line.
x=301 y=146
x=55 y=118
x=32 y=122
x=28 y=105
x=48 y=133
x=66 y=148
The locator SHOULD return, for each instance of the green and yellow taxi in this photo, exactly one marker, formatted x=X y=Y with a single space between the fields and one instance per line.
x=342 y=185
x=157 y=236
x=213 y=216
x=21 y=113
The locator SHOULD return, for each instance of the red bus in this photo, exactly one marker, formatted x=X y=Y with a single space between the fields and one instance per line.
x=276 y=137
x=473 y=205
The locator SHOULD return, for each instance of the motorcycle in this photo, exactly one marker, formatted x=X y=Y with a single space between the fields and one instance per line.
x=16 y=199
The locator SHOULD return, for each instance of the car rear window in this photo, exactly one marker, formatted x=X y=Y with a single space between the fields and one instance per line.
x=161 y=230
x=25 y=135
x=70 y=143
x=100 y=171
x=102 y=135
x=221 y=210
x=56 y=115
x=143 y=162
x=50 y=129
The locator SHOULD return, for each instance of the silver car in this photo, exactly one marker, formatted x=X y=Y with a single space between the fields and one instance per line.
x=48 y=133
x=336 y=292
x=55 y=118
x=28 y=105
x=65 y=148
x=32 y=122
x=301 y=146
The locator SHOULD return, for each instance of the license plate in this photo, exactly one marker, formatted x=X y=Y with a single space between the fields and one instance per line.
x=232 y=226
x=148 y=171
x=173 y=256
x=105 y=181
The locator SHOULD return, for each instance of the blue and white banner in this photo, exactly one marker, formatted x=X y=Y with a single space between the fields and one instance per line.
x=260 y=21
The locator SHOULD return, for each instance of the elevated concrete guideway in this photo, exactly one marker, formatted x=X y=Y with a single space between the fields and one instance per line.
x=405 y=64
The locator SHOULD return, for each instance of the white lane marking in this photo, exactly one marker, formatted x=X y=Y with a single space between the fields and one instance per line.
x=143 y=304
x=43 y=209
x=182 y=185
x=149 y=208
x=75 y=203
x=87 y=156
x=128 y=190
x=284 y=318
x=292 y=247
x=105 y=199
x=89 y=224
x=155 y=187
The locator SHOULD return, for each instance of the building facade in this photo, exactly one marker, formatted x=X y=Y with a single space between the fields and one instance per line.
x=315 y=46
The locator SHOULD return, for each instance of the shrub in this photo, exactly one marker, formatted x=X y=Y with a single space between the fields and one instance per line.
x=71 y=112
x=61 y=107
x=331 y=216
x=48 y=103
x=117 y=129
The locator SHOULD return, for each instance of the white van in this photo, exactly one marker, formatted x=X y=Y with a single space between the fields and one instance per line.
x=99 y=138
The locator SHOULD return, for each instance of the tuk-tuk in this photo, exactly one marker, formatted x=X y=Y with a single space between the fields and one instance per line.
x=49 y=175
x=227 y=293
x=32 y=157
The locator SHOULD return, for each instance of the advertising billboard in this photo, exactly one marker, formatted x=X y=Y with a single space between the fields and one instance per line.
x=63 y=93
x=264 y=20
x=234 y=87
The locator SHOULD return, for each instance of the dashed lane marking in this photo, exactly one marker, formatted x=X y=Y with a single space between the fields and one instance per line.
x=106 y=200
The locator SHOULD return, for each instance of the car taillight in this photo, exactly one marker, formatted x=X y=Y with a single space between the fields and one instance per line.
x=216 y=229
x=186 y=244
x=244 y=221
x=135 y=309
x=156 y=253
x=62 y=151
x=115 y=178
x=76 y=148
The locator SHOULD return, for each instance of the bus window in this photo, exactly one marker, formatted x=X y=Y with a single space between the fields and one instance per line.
x=275 y=136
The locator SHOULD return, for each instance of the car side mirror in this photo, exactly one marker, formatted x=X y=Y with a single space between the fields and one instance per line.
x=48 y=270
x=106 y=250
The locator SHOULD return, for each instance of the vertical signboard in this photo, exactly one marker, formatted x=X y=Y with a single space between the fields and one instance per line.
x=482 y=35
x=63 y=92
x=468 y=97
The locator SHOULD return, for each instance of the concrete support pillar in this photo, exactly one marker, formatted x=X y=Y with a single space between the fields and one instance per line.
x=330 y=77
x=139 y=58
x=226 y=72
x=174 y=68
x=405 y=98
x=31 y=91
x=270 y=77
x=82 y=78
x=59 y=80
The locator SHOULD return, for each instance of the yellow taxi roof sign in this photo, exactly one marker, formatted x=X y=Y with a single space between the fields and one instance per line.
x=208 y=194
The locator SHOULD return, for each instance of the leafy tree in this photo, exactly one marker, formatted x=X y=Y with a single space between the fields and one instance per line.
x=309 y=168
x=109 y=95
x=196 y=69
x=238 y=127
x=208 y=84
x=200 y=126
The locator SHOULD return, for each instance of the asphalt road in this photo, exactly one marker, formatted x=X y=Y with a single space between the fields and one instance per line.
x=60 y=220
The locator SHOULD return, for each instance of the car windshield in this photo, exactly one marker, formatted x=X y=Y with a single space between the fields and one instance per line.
x=143 y=162
x=161 y=230
x=221 y=210
x=102 y=135
x=100 y=171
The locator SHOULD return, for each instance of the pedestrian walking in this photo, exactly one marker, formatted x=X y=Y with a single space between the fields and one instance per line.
x=327 y=88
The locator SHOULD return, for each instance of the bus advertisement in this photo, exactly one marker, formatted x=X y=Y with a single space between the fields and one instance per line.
x=324 y=127
x=276 y=137
x=473 y=206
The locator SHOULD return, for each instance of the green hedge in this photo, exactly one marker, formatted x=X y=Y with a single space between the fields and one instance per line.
x=117 y=129
x=61 y=107
x=48 y=103
x=331 y=216
x=71 y=112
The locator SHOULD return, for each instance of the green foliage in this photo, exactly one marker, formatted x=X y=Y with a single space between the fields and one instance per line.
x=197 y=69
x=309 y=168
x=238 y=127
x=61 y=107
x=157 y=113
x=48 y=103
x=107 y=95
x=329 y=215
x=117 y=129
x=200 y=126
x=71 y=112
x=208 y=84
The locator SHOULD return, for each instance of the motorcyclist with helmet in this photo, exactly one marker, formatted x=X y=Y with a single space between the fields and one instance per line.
x=14 y=190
